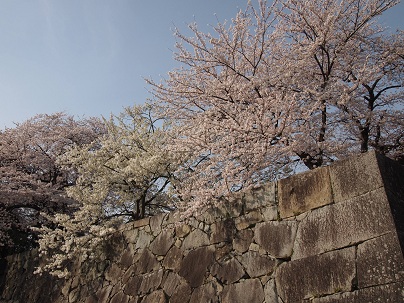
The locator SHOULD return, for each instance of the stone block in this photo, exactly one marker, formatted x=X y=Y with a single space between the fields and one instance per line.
x=141 y=222
x=261 y=197
x=355 y=176
x=303 y=192
x=222 y=231
x=250 y=291
x=113 y=273
x=131 y=236
x=390 y=293
x=143 y=240
x=132 y=287
x=182 y=230
x=126 y=258
x=257 y=265
x=242 y=240
x=343 y=224
x=162 y=243
x=196 y=238
x=270 y=213
x=155 y=297
x=206 y=293
x=195 y=265
x=316 y=276
x=151 y=281
x=120 y=297
x=173 y=259
x=182 y=294
x=380 y=261
x=277 y=238
x=270 y=292
x=156 y=223
x=171 y=282
x=248 y=220
x=228 y=271
x=147 y=262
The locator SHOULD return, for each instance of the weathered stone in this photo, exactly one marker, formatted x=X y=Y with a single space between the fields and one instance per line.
x=131 y=235
x=261 y=197
x=257 y=265
x=162 y=243
x=223 y=252
x=141 y=222
x=151 y=281
x=182 y=294
x=195 y=265
x=242 y=240
x=173 y=258
x=143 y=239
x=196 y=238
x=132 y=287
x=222 y=231
x=316 y=276
x=156 y=223
x=113 y=272
x=277 y=238
x=343 y=224
x=170 y=283
x=155 y=297
x=248 y=220
x=355 y=176
x=182 y=230
x=305 y=191
x=390 y=293
x=380 y=261
x=270 y=213
x=250 y=291
x=206 y=293
x=270 y=292
x=228 y=271
x=146 y=263
x=103 y=294
x=120 y=298
x=126 y=259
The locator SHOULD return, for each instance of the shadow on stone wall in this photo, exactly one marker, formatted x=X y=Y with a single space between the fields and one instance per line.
x=328 y=235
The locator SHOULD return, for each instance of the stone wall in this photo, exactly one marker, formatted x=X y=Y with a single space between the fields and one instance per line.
x=328 y=235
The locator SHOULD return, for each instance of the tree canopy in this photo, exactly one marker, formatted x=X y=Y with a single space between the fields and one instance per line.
x=31 y=180
x=280 y=88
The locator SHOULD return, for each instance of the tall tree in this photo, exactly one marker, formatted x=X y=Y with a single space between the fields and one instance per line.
x=31 y=180
x=124 y=176
x=294 y=84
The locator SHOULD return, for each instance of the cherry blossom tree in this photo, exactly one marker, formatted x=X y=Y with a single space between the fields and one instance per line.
x=290 y=85
x=125 y=175
x=31 y=180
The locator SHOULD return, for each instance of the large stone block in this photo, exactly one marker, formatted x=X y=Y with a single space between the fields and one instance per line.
x=257 y=265
x=390 y=293
x=316 y=276
x=250 y=291
x=343 y=224
x=162 y=243
x=380 y=261
x=222 y=231
x=206 y=293
x=195 y=265
x=195 y=239
x=242 y=240
x=305 y=191
x=173 y=258
x=228 y=271
x=355 y=176
x=277 y=238
x=155 y=297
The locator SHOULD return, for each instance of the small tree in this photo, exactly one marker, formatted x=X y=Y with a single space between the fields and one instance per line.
x=123 y=176
x=31 y=180
x=295 y=84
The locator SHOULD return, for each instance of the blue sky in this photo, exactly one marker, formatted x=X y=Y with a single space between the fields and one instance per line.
x=89 y=57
